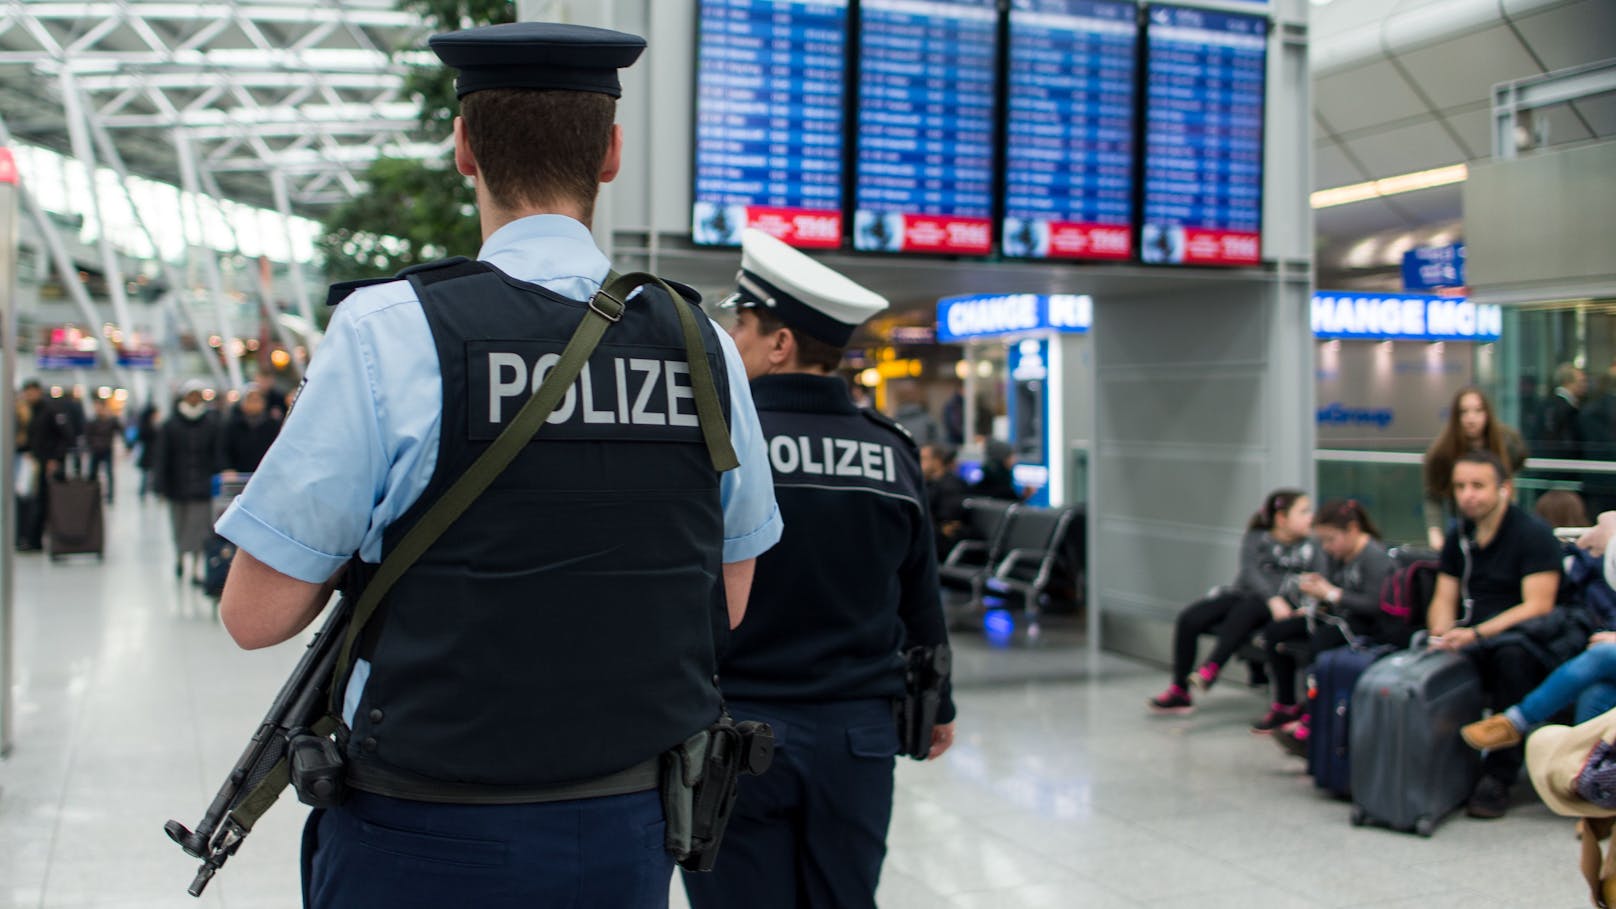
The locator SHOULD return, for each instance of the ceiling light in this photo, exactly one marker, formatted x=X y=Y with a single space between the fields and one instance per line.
x=1390 y=186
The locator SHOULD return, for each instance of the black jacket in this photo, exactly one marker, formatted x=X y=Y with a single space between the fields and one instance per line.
x=50 y=431
x=243 y=442
x=186 y=457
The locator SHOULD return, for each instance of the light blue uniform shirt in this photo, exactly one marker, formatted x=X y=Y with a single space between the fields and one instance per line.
x=361 y=443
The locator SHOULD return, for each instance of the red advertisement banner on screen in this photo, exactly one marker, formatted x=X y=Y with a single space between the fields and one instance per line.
x=1089 y=241
x=938 y=234
x=1221 y=247
x=802 y=227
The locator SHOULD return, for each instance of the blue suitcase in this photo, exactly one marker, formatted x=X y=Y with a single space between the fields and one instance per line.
x=1334 y=675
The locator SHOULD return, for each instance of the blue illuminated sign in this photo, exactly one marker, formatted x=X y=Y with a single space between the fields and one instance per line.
x=997 y=315
x=1404 y=317
x=1431 y=267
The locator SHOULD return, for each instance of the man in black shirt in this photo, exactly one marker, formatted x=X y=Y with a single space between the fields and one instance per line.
x=1500 y=567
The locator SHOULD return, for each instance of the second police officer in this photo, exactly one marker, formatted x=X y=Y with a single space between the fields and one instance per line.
x=852 y=584
x=510 y=702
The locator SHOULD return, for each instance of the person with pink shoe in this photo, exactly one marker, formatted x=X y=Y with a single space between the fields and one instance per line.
x=1275 y=551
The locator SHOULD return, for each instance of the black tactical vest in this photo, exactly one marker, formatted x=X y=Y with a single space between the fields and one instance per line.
x=562 y=629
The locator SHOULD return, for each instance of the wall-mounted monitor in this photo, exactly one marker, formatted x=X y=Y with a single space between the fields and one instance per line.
x=1068 y=180
x=927 y=89
x=770 y=105
x=1203 y=135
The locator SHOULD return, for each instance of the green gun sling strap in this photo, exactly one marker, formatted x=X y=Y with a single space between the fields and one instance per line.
x=606 y=307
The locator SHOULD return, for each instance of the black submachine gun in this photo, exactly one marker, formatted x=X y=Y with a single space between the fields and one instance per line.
x=293 y=744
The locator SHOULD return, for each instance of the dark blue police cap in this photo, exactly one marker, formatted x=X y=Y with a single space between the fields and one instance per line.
x=541 y=55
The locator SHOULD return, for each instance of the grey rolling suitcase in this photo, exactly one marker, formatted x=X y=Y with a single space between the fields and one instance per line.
x=1410 y=768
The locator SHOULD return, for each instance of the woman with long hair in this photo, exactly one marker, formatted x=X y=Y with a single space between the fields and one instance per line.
x=1472 y=424
x=1276 y=549
x=1346 y=594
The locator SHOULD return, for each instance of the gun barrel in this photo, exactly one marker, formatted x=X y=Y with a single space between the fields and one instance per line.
x=298 y=704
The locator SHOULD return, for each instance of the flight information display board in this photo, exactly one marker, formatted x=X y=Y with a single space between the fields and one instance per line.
x=1068 y=181
x=770 y=103
x=1203 y=137
x=926 y=97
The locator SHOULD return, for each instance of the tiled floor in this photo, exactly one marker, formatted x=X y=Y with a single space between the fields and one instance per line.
x=132 y=703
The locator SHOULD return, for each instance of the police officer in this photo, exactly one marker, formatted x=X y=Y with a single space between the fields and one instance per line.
x=510 y=701
x=852 y=583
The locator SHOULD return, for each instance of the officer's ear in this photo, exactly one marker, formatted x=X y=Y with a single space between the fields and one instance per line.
x=465 y=161
x=783 y=348
x=614 y=155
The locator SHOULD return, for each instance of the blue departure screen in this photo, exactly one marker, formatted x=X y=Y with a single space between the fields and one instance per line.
x=927 y=86
x=1203 y=137
x=1068 y=190
x=769 y=112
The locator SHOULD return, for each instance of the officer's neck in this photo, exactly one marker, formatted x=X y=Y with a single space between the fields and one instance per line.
x=493 y=217
x=795 y=369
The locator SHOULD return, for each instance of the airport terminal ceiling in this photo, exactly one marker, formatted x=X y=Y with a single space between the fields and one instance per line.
x=310 y=89
x=314 y=90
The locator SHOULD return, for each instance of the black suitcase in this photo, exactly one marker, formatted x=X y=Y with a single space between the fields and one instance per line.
x=1410 y=768
x=73 y=524
x=216 y=556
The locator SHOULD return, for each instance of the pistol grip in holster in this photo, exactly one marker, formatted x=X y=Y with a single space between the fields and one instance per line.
x=699 y=785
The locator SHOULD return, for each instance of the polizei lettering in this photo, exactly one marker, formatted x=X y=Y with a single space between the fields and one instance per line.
x=621 y=393
x=827 y=456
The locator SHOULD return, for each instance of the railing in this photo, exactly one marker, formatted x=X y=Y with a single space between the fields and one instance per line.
x=1390 y=485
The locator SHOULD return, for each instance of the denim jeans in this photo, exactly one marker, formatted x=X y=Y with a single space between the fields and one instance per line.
x=1594 y=666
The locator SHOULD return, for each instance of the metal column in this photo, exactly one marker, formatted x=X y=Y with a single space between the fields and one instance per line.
x=8 y=428
x=79 y=136
x=300 y=289
x=191 y=183
x=176 y=281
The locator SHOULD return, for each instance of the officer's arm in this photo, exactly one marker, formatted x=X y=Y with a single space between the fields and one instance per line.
x=261 y=607
x=737 y=588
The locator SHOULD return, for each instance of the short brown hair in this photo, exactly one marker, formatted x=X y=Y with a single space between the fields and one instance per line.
x=1483 y=456
x=810 y=350
x=539 y=148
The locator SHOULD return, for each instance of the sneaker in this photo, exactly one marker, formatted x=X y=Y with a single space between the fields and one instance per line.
x=1204 y=678
x=1489 y=800
x=1174 y=700
x=1491 y=734
x=1292 y=739
x=1278 y=715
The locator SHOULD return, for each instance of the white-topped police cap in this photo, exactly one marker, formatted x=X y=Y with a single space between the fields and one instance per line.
x=804 y=294
x=538 y=55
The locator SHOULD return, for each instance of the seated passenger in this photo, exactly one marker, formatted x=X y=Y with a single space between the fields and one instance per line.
x=945 y=494
x=1499 y=568
x=1563 y=688
x=1276 y=548
x=1347 y=593
x=1587 y=680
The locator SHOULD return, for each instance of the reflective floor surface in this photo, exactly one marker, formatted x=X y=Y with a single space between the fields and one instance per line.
x=132 y=703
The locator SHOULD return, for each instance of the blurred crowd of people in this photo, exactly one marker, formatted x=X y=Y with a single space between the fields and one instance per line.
x=178 y=451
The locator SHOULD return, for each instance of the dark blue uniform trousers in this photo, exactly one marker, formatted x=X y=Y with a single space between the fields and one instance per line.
x=812 y=831
x=378 y=851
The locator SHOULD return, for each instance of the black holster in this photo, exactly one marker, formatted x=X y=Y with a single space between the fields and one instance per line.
x=698 y=786
x=924 y=670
